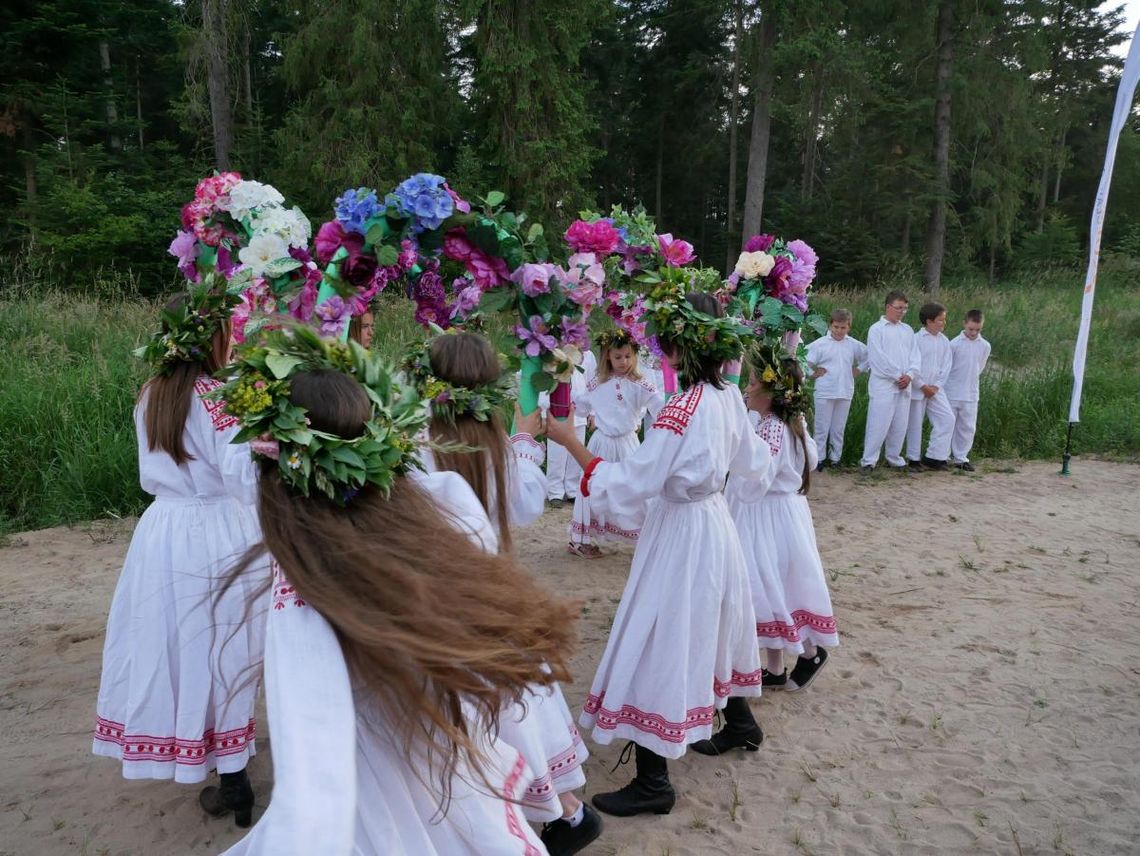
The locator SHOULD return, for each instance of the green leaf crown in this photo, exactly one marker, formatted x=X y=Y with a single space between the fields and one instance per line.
x=188 y=330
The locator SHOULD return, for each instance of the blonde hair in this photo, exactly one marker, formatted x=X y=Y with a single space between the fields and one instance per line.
x=605 y=370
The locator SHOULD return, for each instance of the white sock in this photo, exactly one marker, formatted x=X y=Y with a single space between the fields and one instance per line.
x=577 y=817
x=775 y=661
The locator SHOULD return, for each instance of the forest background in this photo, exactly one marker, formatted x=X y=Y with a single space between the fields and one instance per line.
x=944 y=146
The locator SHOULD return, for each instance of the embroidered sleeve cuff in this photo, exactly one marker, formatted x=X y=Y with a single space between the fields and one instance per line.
x=584 y=487
x=529 y=449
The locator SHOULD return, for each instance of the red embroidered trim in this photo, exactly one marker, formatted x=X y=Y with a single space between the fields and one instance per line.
x=144 y=747
x=218 y=416
x=592 y=383
x=283 y=591
x=771 y=431
x=596 y=529
x=675 y=415
x=514 y=825
x=584 y=485
x=738 y=679
x=520 y=442
x=650 y=723
x=801 y=618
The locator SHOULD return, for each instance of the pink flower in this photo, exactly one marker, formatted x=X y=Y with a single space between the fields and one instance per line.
x=184 y=247
x=488 y=271
x=301 y=307
x=534 y=279
x=255 y=300
x=331 y=237
x=803 y=267
x=456 y=246
x=675 y=252
x=575 y=331
x=466 y=301
x=776 y=283
x=408 y=254
x=226 y=264
x=461 y=205
x=599 y=237
x=333 y=314
x=759 y=243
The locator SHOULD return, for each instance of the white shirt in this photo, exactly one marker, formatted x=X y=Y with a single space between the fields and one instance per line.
x=619 y=403
x=892 y=351
x=969 y=361
x=785 y=475
x=936 y=361
x=838 y=357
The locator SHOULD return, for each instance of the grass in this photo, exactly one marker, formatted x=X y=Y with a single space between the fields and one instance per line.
x=67 y=449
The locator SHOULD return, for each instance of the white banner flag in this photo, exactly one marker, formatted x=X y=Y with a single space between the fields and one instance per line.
x=1120 y=116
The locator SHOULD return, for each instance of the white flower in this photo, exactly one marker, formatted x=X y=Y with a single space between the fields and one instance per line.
x=754 y=265
x=291 y=225
x=261 y=251
x=249 y=195
x=568 y=356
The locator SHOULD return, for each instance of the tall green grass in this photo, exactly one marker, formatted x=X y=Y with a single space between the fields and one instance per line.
x=68 y=381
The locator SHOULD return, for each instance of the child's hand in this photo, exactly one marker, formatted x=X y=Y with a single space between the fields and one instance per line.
x=903 y=382
x=929 y=391
x=561 y=431
x=820 y=371
x=531 y=423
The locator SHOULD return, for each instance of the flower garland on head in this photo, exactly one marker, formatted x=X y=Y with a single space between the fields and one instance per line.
x=450 y=401
x=311 y=461
x=188 y=330
x=770 y=362
x=617 y=338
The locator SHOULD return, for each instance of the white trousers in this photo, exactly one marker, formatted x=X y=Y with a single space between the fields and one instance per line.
x=563 y=475
x=937 y=410
x=887 y=414
x=965 y=424
x=831 y=422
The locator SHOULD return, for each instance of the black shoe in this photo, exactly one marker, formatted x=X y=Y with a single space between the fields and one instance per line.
x=649 y=793
x=562 y=839
x=741 y=731
x=821 y=468
x=965 y=466
x=556 y=503
x=866 y=469
x=806 y=670
x=916 y=466
x=932 y=464
x=235 y=794
x=773 y=682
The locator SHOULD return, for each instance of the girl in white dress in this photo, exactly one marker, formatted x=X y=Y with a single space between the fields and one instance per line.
x=178 y=686
x=684 y=637
x=789 y=587
x=460 y=374
x=394 y=638
x=616 y=399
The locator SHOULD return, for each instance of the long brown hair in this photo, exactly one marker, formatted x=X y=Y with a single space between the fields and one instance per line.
x=427 y=620
x=169 y=395
x=467 y=359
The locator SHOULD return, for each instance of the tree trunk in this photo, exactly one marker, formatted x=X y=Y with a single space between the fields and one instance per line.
x=138 y=103
x=905 y=242
x=1060 y=163
x=217 y=79
x=1043 y=197
x=112 y=113
x=31 y=185
x=247 y=73
x=815 y=107
x=660 y=165
x=761 y=131
x=936 y=230
x=734 y=121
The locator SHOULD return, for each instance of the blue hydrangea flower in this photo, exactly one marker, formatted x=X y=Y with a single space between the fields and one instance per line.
x=355 y=207
x=424 y=199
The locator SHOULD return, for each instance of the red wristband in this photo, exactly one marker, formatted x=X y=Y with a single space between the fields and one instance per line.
x=584 y=487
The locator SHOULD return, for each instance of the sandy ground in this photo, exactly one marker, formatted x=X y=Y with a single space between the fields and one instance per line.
x=984 y=699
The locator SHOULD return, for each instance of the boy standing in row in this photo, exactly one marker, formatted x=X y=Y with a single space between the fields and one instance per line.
x=894 y=359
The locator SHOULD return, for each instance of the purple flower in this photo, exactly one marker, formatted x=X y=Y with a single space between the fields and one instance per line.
x=331 y=237
x=424 y=197
x=534 y=279
x=354 y=208
x=333 y=315
x=226 y=264
x=488 y=271
x=803 y=252
x=537 y=338
x=461 y=204
x=184 y=247
x=467 y=300
x=575 y=331
x=677 y=253
x=409 y=254
x=759 y=243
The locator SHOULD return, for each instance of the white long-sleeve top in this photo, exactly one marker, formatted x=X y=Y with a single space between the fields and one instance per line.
x=701 y=436
x=892 y=351
x=527 y=499
x=218 y=467
x=838 y=357
x=969 y=361
x=936 y=361
x=619 y=403
x=785 y=476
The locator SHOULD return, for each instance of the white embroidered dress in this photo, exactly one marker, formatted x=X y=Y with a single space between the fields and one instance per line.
x=617 y=405
x=179 y=683
x=342 y=784
x=684 y=636
x=789 y=588
x=542 y=727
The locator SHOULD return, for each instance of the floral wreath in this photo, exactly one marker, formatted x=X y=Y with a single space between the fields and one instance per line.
x=188 y=330
x=770 y=362
x=617 y=338
x=450 y=401
x=257 y=394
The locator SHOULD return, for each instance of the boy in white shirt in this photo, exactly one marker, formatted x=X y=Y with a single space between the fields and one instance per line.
x=970 y=354
x=835 y=360
x=928 y=393
x=562 y=472
x=894 y=360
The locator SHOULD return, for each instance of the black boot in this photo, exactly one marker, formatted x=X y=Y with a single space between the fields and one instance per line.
x=649 y=792
x=740 y=731
x=235 y=794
